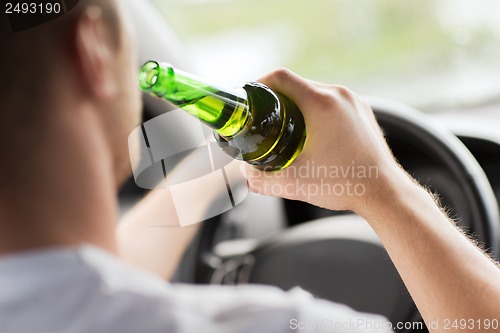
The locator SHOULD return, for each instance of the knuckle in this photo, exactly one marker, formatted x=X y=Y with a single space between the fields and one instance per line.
x=281 y=73
x=324 y=98
x=344 y=92
x=365 y=104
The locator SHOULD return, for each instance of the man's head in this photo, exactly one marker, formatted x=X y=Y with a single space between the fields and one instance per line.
x=83 y=59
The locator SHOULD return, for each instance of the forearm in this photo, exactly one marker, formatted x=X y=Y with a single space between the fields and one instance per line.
x=150 y=237
x=446 y=274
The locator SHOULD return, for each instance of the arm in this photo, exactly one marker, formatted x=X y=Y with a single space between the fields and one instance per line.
x=446 y=274
x=148 y=236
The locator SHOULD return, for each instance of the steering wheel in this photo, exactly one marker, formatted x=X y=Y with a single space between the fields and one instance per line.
x=339 y=257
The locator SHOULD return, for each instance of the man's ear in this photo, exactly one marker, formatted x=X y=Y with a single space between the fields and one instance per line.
x=94 y=53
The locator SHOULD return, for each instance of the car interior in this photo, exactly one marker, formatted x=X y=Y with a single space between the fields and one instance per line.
x=454 y=150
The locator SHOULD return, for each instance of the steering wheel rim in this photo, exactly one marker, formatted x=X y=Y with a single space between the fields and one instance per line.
x=438 y=141
x=466 y=167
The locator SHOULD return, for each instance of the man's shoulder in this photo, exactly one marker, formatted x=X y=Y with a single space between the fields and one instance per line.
x=79 y=290
x=89 y=290
x=117 y=277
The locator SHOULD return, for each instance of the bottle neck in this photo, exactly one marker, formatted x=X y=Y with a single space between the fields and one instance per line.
x=223 y=109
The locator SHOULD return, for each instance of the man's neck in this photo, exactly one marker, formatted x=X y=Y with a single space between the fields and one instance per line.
x=63 y=190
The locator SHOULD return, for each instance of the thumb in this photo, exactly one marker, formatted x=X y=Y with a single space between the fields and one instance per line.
x=268 y=183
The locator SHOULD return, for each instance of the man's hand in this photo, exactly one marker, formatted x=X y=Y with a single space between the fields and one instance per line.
x=449 y=278
x=345 y=160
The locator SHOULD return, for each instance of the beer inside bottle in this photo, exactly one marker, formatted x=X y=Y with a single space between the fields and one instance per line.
x=252 y=123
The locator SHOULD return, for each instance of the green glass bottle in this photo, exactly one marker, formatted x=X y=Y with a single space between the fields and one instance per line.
x=253 y=124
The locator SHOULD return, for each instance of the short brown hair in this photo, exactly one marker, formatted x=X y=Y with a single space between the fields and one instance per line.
x=27 y=62
x=27 y=56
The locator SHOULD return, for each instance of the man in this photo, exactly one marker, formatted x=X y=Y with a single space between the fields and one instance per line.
x=68 y=100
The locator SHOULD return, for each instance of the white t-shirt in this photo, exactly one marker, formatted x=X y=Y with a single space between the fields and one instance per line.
x=84 y=289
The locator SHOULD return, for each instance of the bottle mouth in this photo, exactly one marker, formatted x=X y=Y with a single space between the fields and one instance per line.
x=148 y=75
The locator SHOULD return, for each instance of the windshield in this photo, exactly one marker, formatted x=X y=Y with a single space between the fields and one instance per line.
x=432 y=54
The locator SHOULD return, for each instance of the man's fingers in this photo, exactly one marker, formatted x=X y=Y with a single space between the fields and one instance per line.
x=286 y=82
x=309 y=96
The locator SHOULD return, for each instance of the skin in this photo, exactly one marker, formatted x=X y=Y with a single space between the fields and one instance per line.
x=88 y=127
x=446 y=274
x=82 y=158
